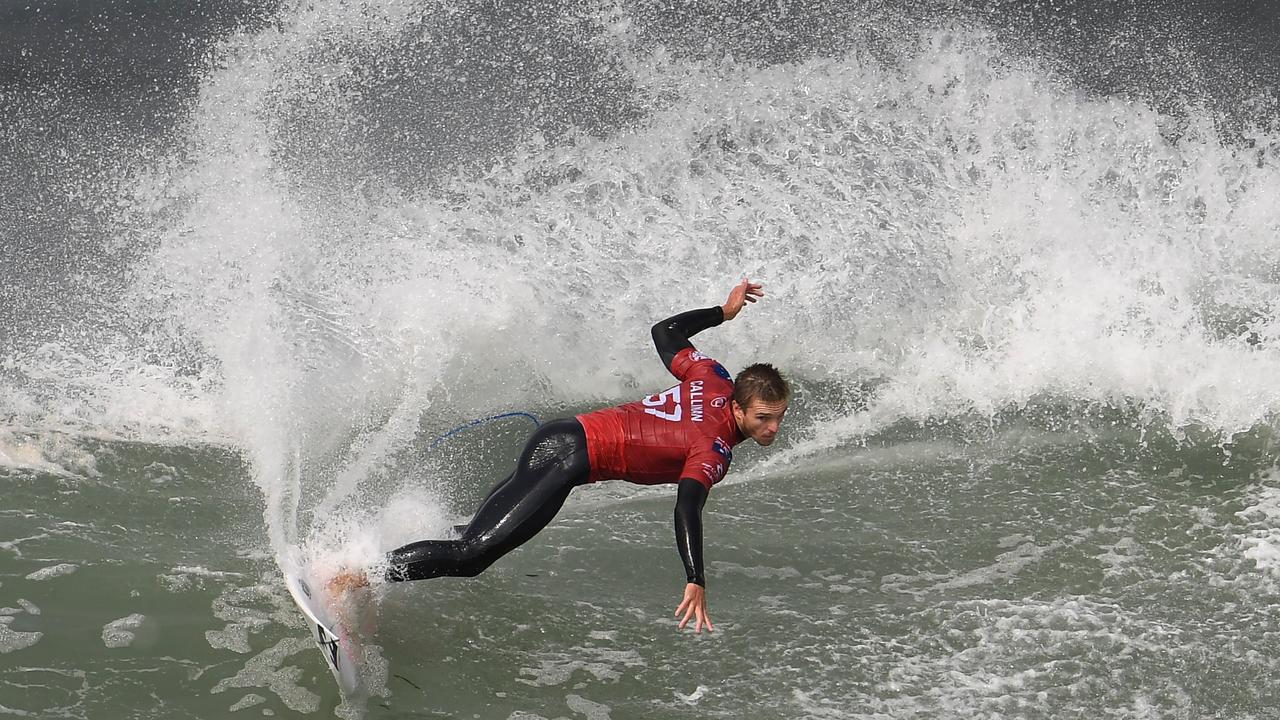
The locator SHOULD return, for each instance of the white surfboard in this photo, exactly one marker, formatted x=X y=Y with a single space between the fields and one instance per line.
x=342 y=650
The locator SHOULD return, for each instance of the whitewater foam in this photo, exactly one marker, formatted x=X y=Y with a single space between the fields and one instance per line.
x=950 y=234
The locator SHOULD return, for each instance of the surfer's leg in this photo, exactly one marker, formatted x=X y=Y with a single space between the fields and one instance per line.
x=551 y=466
x=495 y=489
x=460 y=529
x=553 y=462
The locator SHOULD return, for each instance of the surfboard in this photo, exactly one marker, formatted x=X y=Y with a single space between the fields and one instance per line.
x=342 y=650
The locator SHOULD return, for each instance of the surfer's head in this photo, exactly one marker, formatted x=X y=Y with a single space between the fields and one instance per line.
x=760 y=397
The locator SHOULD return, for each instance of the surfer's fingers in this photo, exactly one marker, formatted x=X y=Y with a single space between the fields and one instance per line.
x=687 y=616
x=686 y=603
x=703 y=618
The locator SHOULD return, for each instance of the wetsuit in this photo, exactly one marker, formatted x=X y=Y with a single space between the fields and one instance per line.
x=682 y=435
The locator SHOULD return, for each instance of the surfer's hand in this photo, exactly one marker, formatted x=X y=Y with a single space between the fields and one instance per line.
x=694 y=606
x=347 y=580
x=745 y=292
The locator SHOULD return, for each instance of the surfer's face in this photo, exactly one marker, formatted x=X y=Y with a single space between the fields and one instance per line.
x=760 y=420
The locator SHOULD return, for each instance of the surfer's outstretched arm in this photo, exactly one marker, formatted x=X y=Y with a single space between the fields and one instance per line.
x=690 y=497
x=672 y=335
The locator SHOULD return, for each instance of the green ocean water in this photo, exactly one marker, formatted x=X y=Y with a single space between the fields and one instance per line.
x=1031 y=573
x=260 y=260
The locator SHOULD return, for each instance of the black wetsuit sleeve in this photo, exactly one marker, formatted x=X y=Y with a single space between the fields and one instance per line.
x=672 y=335
x=690 y=497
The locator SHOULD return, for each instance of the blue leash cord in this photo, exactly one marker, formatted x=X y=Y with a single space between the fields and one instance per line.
x=481 y=421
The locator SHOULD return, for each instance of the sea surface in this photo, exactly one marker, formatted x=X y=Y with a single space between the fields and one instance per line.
x=297 y=278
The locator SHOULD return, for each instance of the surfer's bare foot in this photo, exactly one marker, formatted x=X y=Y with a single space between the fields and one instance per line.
x=347 y=580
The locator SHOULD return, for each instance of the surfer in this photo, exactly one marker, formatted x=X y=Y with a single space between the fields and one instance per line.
x=683 y=435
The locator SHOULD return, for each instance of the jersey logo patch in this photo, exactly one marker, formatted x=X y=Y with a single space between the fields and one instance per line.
x=714 y=473
x=719 y=370
x=722 y=449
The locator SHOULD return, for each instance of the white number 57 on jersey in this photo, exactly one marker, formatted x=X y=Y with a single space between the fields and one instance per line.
x=658 y=404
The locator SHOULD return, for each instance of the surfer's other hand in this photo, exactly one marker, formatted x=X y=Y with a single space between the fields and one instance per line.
x=743 y=293
x=347 y=580
x=694 y=607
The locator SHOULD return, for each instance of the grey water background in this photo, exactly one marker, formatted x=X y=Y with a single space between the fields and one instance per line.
x=258 y=257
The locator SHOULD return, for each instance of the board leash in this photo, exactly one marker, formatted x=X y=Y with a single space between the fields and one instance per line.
x=481 y=421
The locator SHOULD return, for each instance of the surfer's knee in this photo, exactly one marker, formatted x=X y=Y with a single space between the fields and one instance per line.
x=481 y=556
x=398 y=573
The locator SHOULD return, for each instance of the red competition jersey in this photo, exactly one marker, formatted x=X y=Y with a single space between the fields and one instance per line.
x=685 y=431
